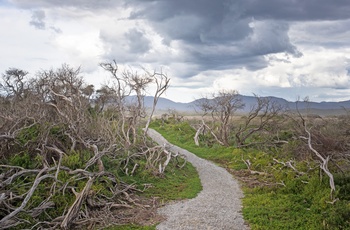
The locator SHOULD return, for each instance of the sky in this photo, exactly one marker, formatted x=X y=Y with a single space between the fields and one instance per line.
x=282 y=48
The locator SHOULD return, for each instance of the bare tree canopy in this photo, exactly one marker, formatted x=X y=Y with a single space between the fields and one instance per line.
x=222 y=108
x=64 y=144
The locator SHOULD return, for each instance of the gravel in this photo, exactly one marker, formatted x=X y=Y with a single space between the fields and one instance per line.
x=217 y=206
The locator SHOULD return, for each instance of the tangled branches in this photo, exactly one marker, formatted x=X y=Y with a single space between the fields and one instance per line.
x=61 y=156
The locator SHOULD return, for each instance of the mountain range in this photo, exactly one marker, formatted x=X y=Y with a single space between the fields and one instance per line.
x=320 y=108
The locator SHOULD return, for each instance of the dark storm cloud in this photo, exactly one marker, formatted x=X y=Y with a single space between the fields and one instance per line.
x=213 y=34
x=204 y=21
x=217 y=34
x=271 y=37
x=225 y=34
x=137 y=42
x=298 y=10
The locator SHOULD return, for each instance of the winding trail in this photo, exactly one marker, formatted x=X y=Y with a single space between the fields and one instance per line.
x=217 y=206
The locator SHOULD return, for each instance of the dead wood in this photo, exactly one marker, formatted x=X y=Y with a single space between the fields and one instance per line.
x=75 y=208
x=253 y=172
x=289 y=165
x=324 y=160
x=38 y=179
x=51 y=126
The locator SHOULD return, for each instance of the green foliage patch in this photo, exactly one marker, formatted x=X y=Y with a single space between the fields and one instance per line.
x=29 y=134
x=175 y=184
x=279 y=198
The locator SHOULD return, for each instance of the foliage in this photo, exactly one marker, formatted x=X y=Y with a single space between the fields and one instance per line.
x=174 y=184
x=276 y=195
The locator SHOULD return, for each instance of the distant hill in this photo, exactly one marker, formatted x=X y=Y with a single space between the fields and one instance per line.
x=165 y=104
x=321 y=108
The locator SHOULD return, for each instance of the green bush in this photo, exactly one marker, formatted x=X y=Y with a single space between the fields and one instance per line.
x=29 y=134
x=25 y=160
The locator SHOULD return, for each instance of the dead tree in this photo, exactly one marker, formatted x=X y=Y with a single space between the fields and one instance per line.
x=201 y=129
x=262 y=113
x=138 y=84
x=49 y=121
x=121 y=92
x=324 y=160
x=131 y=111
x=162 y=84
x=221 y=108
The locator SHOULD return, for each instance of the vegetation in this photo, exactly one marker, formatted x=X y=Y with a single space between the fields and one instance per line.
x=284 y=185
x=71 y=155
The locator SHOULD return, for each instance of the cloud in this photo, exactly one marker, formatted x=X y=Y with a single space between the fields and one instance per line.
x=271 y=37
x=210 y=34
x=201 y=22
x=298 y=10
x=137 y=42
x=38 y=19
x=330 y=34
x=216 y=34
x=81 y=4
x=279 y=45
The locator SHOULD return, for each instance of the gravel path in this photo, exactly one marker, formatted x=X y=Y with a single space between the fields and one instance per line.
x=217 y=206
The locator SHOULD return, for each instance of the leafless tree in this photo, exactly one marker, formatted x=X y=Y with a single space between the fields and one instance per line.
x=322 y=158
x=132 y=83
x=162 y=84
x=221 y=107
x=50 y=118
x=262 y=113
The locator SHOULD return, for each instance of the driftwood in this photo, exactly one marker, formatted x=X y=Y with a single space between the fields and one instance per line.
x=75 y=208
x=200 y=129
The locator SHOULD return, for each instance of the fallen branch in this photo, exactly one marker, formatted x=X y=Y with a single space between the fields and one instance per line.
x=74 y=209
x=168 y=158
x=289 y=165
x=248 y=164
x=30 y=193
x=196 y=137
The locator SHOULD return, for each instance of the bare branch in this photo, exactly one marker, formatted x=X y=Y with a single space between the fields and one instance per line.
x=74 y=209
x=162 y=83
x=30 y=193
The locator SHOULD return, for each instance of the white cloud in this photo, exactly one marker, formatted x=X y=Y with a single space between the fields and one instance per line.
x=203 y=48
x=23 y=46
